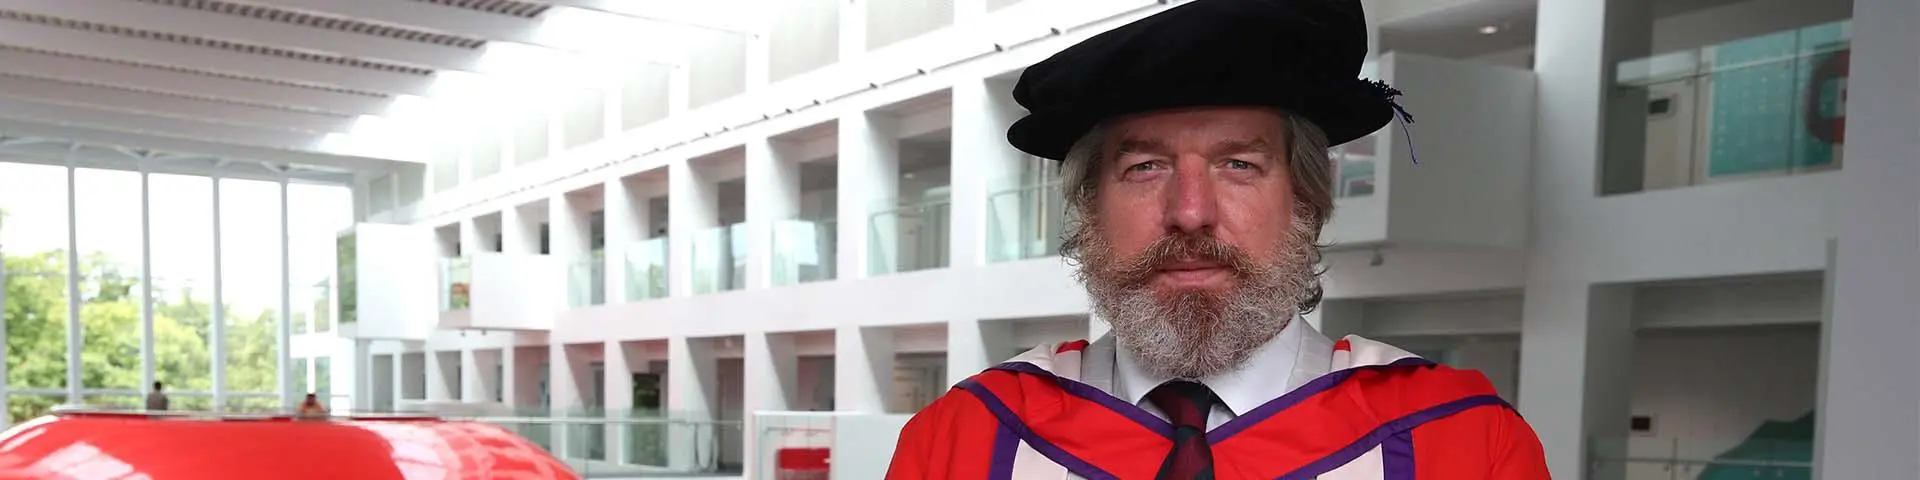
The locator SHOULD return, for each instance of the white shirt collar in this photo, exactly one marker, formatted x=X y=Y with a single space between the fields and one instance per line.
x=1266 y=375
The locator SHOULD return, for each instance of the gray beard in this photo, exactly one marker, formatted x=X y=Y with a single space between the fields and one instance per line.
x=1195 y=335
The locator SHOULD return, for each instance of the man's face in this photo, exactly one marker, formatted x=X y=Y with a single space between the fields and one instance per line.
x=1192 y=248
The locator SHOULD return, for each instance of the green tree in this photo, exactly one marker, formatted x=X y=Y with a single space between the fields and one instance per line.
x=36 y=318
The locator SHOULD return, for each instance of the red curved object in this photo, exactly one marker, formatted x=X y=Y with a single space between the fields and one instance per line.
x=136 y=446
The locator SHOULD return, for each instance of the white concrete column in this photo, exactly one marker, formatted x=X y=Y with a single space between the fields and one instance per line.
x=621 y=233
x=471 y=238
x=568 y=374
x=773 y=196
x=969 y=11
x=619 y=358
x=473 y=377
x=1576 y=357
x=519 y=231
x=692 y=396
x=1337 y=318
x=613 y=107
x=570 y=227
x=869 y=181
x=570 y=233
x=1868 y=422
x=984 y=164
x=853 y=29
x=1576 y=338
x=973 y=345
x=863 y=359
x=359 y=375
x=694 y=209
x=771 y=384
x=217 y=335
x=400 y=372
x=438 y=374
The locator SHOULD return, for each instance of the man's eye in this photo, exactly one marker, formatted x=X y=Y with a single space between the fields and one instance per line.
x=1239 y=165
x=1144 y=166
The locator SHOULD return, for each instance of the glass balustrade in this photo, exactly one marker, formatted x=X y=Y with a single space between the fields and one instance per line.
x=586 y=281
x=647 y=269
x=1026 y=222
x=1765 y=106
x=456 y=281
x=804 y=251
x=1777 y=450
x=720 y=259
x=910 y=237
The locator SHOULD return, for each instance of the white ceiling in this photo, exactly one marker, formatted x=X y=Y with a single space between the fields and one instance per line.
x=248 y=87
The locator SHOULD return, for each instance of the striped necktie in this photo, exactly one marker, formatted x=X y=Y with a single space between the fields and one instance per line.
x=1186 y=405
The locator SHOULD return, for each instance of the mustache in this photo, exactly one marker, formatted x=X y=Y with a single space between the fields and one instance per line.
x=1183 y=247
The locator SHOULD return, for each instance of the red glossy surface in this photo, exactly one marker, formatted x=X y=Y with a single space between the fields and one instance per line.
x=90 y=447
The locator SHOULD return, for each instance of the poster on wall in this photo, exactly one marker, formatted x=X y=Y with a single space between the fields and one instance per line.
x=1777 y=101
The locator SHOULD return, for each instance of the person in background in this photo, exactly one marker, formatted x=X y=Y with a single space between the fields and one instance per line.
x=157 y=399
x=1194 y=162
x=311 y=407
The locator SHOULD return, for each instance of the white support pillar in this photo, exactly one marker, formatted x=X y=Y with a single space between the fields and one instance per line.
x=283 y=348
x=218 y=334
x=1576 y=357
x=570 y=232
x=471 y=239
x=473 y=377
x=772 y=384
x=520 y=229
x=853 y=30
x=969 y=11
x=984 y=164
x=437 y=372
x=620 y=358
x=692 y=396
x=974 y=345
x=360 y=377
x=1576 y=337
x=73 y=287
x=773 y=196
x=147 y=365
x=869 y=181
x=863 y=359
x=563 y=390
x=694 y=207
x=621 y=233
x=759 y=60
x=1868 y=420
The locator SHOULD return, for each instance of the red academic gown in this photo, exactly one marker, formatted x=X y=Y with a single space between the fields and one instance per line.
x=1381 y=414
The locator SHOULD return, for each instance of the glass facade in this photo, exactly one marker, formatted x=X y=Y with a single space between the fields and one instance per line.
x=164 y=254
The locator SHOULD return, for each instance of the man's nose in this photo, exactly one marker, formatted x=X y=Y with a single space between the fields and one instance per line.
x=1191 y=203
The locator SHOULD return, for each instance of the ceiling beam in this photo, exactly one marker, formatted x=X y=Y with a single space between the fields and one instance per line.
x=469 y=23
x=145 y=141
x=100 y=45
x=145 y=122
x=129 y=76
x=184 y=21
x=722 y=19
x=117 y=99
x=99 y=159
x=457 y=21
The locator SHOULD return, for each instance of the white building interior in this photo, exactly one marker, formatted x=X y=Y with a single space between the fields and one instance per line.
x=680 y=237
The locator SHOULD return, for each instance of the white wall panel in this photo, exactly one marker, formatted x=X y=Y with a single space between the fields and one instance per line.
x=397 y=279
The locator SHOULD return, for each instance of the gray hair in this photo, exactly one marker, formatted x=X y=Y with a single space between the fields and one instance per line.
x=1308 y=165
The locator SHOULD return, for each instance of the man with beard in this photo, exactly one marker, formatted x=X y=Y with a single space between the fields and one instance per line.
x=1194 y=155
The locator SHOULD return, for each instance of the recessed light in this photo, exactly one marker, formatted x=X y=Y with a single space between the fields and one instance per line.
x=1489 y=30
